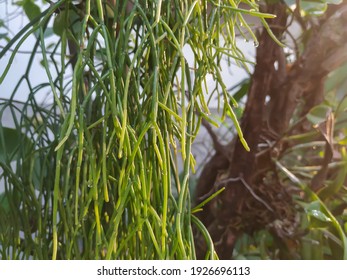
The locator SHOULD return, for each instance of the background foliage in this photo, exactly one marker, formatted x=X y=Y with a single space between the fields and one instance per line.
x=286 y=197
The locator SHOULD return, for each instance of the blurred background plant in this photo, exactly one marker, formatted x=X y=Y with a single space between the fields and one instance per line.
x=286 y=198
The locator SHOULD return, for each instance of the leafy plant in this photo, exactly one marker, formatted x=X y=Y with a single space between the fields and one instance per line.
x=94 y=175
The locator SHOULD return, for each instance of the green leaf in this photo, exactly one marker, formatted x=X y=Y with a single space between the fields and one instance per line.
x=319 y=215
x=60 y=24
x=318 y=114
x=31 y=9
x=314 y=205
x=11 y=142
x=316 y=210
x=4 y=204
x=67 y=20
x=313 y=8
x=316 y=215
